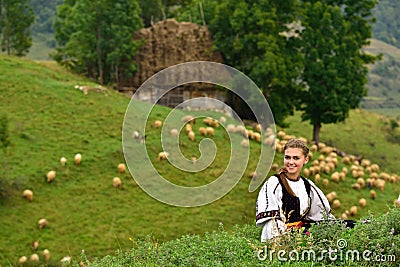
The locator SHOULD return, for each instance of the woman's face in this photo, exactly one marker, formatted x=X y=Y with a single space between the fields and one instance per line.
x=294 y=161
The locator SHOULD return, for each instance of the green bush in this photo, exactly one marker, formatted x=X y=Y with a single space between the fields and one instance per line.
x=380 y=237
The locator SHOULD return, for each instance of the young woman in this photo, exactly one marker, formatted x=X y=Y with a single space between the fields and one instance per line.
x=287 y=199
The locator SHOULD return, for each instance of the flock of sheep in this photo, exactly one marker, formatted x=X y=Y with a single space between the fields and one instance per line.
x=366 y=176
x=43 y=222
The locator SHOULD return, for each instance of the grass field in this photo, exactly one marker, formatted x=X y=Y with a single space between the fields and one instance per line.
x=49 y=118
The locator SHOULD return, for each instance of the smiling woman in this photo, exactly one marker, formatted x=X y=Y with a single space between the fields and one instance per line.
x=288 y=200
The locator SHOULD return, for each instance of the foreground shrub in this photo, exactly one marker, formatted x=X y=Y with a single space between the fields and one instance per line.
x=372 y=242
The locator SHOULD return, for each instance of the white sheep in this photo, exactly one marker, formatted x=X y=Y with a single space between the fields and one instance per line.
x=245 y=143
x=78 y=159
x=362 y=202
x=22 y=260
x=231 y=128
x=188 y=118
x=51 y=175
x=210 y=131
x=135 y=135
x=353 y=210
x=121 y=168
x=191 y=135
x=42 y=223
x=372 y=194
x=34 y=257
x=66 y=260
x=157 y=124
x=63 y=161
x=174 y=132
x=28 y=194
x=117 y=182
x=203 y=131
x=46 y=254
x=336 y=204
x=162 y=155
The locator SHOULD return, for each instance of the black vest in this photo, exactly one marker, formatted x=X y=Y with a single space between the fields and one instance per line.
x=291 y=204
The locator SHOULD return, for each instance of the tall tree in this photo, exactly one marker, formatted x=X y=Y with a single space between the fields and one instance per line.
x=95 y=38
x=16 y=17
x=335 y=69
x=247 y=33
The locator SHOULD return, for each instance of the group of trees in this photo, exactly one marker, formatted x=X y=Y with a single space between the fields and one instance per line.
x=16 y=17
x=303 y=54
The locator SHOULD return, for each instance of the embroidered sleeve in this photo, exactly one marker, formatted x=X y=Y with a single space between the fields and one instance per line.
x=268 y=201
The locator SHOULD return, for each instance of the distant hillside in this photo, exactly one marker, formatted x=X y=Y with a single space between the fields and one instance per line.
x=383 y=80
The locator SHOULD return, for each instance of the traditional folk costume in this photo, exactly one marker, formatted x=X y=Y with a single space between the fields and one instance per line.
x=283 y=203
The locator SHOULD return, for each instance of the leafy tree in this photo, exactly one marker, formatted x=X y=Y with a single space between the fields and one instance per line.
x=95 y=38
x=16 y=17
x=151 y=11
x=247 y=33
x=335 y=69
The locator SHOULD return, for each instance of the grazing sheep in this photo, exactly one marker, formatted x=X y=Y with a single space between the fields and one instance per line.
x=42 y=223
x=240 y=129
x=380 y=184
x=66 y=260
x=336 y=204
x=325 y=182
x=317 y=178
x=222 y=119
x=231 y=128
x=397 y=203
x=365 y=163
x=274 y=166
x=188 y=128
x=353 y=210
x=35 y=245
x=253 y=175
x=356 y=186
x=362 y=202
x=270 y=140
x=346 y=160
x=345 y=170
x=188 y=118
x=51 y=175
x=162 y=155
x=203 y=131
x=281 y=134
x=375 y=167
x=335 y=177
x=117 y=182
x=257 y=137
x=78 y=159
x=135 y=135
x=215 y=124
x=245 y=143
x=121 y=168
x=372 y=194
x=46 y=254
x=22 y=260
x=174 y=132
x=194 y=159
x=314 y=148
x=344 y=216
x=330 y=197
x=210 y=131
x=361 y=182
x=342 y=176
x=191 y=135
x=63 y=161
x=385 y=176
x=34 y=257
x=279 y=148
x=28 y=194
x=157 y=124
x=306 y=172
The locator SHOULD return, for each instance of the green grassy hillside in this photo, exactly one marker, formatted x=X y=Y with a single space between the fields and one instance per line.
x=49 y=119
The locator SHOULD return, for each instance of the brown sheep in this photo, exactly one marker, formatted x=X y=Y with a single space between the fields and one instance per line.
x=353 y=210
x=372 y=194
